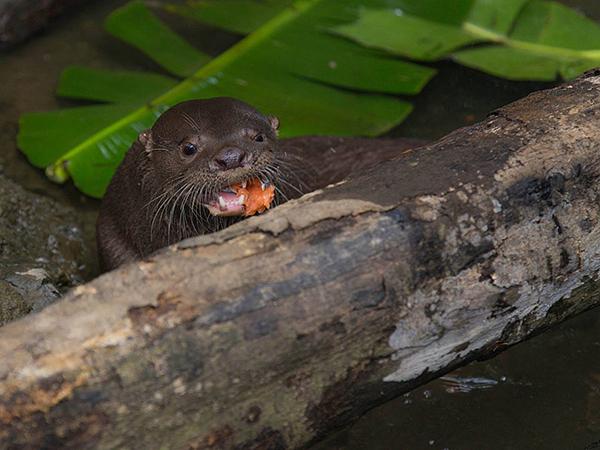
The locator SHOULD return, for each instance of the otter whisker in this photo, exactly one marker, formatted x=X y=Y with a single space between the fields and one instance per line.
x=296 y=163
x=163 y=200
x=183 y=219
x=186 y=213
x=280 y=177
x=280 y=192
x=190 y=121
x=176 y=197
x=292 y=170
x=280 y=195
x=165 y=193
x=197 y=208
x=161 y=149
x=289 y=169
x=156 y=211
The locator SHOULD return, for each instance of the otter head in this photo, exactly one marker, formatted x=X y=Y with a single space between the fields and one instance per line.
x=199 y=149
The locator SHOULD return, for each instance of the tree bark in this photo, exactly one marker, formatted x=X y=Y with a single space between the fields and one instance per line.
x=21 y=18
x=272 y=332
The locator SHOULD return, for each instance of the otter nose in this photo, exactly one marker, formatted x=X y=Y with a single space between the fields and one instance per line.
x=228 y=158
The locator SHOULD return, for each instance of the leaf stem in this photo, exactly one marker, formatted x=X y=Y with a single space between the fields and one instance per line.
x=253 y=39
x=539 y=49
x=57 y=170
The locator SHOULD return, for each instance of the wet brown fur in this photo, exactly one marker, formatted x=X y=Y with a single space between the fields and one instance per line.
x=155 y=197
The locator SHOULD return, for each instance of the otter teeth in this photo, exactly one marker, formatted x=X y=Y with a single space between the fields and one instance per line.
x=244 y=184
x=264 y=185
x=224 y=205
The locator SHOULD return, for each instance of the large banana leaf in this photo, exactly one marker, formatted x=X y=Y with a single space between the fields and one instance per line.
x=514 y=39
x=291 y=66
x=238 y=16
x=301 y=61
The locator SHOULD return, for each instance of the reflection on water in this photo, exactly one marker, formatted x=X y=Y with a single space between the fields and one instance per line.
x=542 y=394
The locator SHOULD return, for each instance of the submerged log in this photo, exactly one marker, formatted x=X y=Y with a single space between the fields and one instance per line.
x=276 y=330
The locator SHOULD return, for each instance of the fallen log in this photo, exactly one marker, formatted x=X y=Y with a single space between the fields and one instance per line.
x=272 y=332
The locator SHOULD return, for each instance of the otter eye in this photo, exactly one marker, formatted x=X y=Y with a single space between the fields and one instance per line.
x=259 y=138
x=189 y=149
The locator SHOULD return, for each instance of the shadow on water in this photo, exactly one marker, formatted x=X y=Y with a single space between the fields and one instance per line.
x=542 y=394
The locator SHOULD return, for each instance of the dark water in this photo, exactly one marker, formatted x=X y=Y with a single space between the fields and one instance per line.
x=541 y=394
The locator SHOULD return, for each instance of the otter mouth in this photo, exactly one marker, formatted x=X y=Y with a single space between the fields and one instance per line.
x=243 y=199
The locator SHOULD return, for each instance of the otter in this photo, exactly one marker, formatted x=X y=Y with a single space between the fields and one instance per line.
x=173 y=182
x=176 y=179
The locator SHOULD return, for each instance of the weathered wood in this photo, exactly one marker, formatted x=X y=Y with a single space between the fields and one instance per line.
x=272 y=332
x=21 y=18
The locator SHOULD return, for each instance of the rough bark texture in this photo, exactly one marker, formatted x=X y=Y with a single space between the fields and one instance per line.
x=272 y=332
x=20 y=18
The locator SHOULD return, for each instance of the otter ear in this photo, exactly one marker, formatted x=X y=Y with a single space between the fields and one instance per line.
x=145 y=138
x=274 y=121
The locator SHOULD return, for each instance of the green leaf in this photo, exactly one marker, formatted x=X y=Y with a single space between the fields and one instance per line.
x=237 y=16
x=509 y=63
x=112 y=85
x=44 y=136
x=271 y=69
x=136 y=25
x=498 y=16
x=554 y=25
x=409 y=36
x=343 y=64
x=301 y=63
x=516 y=39
x=449 y=12
x=572 y=69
